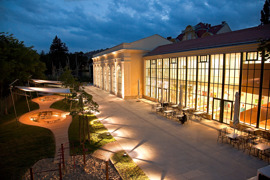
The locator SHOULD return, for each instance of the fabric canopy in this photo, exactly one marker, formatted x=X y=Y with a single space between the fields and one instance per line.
x=46 y=81
x=44 y=89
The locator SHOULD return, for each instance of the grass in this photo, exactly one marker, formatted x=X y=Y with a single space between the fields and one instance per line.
x=62 y=105
x=126 y=167
x=22 y=145
x=99 y=136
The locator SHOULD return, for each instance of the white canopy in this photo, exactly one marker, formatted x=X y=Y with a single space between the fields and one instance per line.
x=44 y=89
x=39 y=81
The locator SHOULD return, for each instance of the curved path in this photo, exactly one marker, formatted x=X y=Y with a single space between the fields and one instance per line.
x=59 y=128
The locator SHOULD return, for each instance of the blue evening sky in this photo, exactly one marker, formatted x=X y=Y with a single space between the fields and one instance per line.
x=86 y=25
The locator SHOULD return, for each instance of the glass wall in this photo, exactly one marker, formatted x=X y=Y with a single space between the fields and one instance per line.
x=166 y=66
x=191 y=81
x=216 y=78
x=153 y=78
x=173 y=80
x=147 y=78
x=265 y=105
x=203 y=75
x=231 y=84
x=182 y=73
x=159 y=78
x=209 y=83
x=250 y=88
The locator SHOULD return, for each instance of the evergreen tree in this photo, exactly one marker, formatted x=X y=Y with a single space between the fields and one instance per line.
x=58 y=55
x=265 y=16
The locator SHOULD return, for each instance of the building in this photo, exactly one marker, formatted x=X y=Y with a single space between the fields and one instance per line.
x=209 y=71
x=119 y=70
x=202 y=30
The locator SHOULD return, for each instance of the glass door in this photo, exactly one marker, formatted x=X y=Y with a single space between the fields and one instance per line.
x=228 y=111
x=216 y=109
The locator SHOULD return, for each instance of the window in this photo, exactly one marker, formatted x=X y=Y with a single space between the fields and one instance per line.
x=203 y=59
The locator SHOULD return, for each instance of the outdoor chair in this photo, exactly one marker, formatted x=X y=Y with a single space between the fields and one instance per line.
x=250 y=142
x=266 y=154
x=222 y=134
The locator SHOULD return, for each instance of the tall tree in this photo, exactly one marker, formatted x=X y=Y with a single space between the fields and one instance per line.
x=17 y=62
x=265 y=16
x=58 y=55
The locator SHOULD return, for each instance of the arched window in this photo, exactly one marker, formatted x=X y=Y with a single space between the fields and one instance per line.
x=105 y=78
x=109 y=78
x=113 y=80
x=119 y=79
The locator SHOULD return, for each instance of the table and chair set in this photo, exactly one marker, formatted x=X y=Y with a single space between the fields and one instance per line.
x=173 y=112
x=249 y=140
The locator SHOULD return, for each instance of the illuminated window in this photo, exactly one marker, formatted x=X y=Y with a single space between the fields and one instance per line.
x=203 y=59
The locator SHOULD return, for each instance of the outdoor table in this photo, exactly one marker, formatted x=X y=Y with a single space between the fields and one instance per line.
x=168 y=112
x=174 y=106
x=158 y=109
x=186 y=109
x=232 y=136
x=261 y=147
x=265 y=172
x=251 y=130
x=198 y=114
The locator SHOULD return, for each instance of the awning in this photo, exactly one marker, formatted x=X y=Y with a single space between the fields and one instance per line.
x=39 y=81
x=44 y=89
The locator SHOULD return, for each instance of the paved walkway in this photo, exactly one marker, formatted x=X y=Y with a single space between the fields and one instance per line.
x=165 y=149
x=59 y=129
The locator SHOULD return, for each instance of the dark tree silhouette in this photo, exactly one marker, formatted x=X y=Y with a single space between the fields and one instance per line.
x=17 y=62
x=265 y=16
x=58 y=56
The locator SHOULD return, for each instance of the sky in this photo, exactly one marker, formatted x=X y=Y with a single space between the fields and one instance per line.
x=87 y=25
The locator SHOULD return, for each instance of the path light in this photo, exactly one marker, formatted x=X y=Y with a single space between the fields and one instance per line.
x=108 y=133
x=125 y=154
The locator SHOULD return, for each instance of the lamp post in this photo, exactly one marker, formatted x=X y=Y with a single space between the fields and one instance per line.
x=10 y=88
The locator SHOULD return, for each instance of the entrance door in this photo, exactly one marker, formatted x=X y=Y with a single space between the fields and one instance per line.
x=216 y=109
x=228 y=111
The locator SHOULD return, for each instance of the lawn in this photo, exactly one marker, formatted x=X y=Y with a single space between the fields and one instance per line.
x=22 y=145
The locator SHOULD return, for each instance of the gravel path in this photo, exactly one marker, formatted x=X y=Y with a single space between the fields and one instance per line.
x=95 y=169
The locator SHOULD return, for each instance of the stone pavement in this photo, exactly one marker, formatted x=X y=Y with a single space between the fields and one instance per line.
x=165 y=149
x=59 y=129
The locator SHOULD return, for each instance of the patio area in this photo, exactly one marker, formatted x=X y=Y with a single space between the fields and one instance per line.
x=166 y=149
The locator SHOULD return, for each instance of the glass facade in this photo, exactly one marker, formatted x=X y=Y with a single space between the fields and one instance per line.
x=208 y=83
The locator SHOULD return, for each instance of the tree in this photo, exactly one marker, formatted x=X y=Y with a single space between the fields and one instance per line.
x=17 y=62
x=265 y=16
x=264 y=47
x=58 y=56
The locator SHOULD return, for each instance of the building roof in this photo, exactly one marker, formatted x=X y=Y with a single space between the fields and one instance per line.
x=148 y=44
x=201 y=28
x=244 y=36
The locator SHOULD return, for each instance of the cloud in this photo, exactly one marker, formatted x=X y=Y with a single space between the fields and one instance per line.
x=87 y=25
